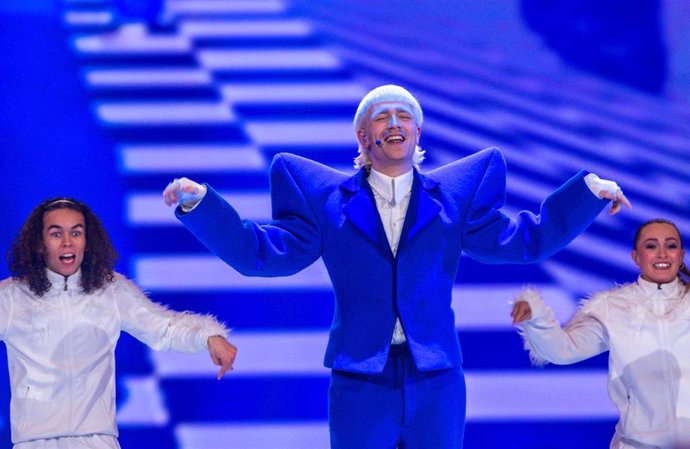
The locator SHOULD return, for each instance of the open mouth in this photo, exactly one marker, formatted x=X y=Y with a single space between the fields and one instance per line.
x=662 y=265
x=67 y=258
x=395 y=139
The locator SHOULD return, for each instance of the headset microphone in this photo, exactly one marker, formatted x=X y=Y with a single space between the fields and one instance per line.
x=377 y=142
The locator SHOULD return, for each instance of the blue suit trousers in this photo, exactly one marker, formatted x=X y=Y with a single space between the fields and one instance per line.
x=401 y=407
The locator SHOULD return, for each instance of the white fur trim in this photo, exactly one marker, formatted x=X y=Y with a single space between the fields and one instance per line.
x=541 y=313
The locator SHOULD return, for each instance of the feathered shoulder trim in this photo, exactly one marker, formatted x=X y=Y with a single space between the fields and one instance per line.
x=600 y=304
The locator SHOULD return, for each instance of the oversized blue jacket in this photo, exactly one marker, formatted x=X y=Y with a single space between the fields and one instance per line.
x=321 y=212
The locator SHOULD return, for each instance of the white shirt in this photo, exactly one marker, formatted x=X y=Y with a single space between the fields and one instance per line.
x=60 y=350
x=392 y=197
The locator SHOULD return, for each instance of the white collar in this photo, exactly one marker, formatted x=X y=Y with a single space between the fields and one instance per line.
x=671 y=289
x=73 y=282
x=384 y=185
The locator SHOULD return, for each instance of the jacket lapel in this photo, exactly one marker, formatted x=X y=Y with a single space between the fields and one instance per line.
x=423 y=207
x=360 y=208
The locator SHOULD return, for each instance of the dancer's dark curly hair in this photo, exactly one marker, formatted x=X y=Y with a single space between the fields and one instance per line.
x=25 y=257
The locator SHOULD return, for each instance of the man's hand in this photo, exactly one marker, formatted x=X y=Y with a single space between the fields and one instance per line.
x=609 y=190
x=222 y=353
x=185 y=192
x=617 y=198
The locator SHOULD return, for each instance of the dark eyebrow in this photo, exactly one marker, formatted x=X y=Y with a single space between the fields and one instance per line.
x=654 y=239
x=76 y=226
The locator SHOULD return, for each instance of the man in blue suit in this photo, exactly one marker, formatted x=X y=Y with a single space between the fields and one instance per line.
x=391 y=239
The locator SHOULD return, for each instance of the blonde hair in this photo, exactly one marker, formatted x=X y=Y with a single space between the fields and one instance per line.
x=389 y=92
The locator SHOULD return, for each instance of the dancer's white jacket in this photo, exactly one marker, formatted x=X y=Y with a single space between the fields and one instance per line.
x=60 y=350
x=646 y=329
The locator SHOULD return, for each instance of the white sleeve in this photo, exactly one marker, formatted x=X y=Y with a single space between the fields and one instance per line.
x=5 y=306
x=545 y=339
x=159 y=327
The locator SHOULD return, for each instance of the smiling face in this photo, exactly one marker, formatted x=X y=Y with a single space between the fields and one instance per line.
x=390 y=132
x=64 y=240
x=658 y=252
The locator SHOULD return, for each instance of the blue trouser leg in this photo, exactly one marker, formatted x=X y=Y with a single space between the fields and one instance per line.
x=398 y=408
